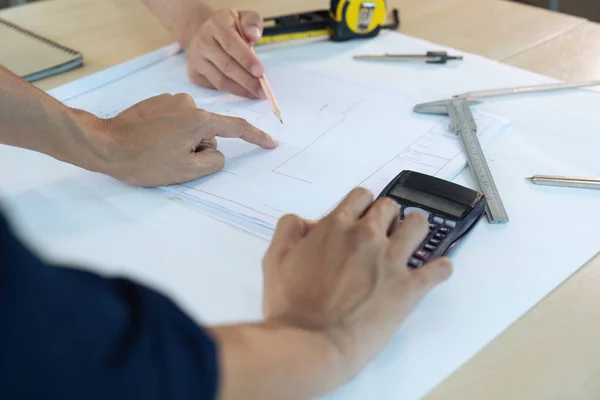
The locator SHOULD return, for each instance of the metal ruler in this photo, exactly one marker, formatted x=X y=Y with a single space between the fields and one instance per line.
x=463 y=124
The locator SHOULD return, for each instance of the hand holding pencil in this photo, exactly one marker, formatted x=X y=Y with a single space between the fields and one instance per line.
x=262 y=79
x=218 y=56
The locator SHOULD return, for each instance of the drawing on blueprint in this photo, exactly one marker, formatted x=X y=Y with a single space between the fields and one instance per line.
x=337 y=135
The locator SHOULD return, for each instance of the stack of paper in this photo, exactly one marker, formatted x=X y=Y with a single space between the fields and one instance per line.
x=337 y=135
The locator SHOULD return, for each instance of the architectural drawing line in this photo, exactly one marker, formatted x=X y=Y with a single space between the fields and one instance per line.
x=310 y=144
x=229 y=200
x=386 y=164
x=324 y=107
x=275 y=209
x=409 y=150
x=448 y=161
x=346 y=111
x=329 y=120
x=316 y=140
x=293 y=177
x=417 y=162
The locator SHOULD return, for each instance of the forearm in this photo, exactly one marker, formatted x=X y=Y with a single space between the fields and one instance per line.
x=33 y=120
x=180 y=16
x=276 y=361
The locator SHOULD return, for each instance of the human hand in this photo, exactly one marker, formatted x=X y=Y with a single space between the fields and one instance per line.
x=166 y=139
x=220 y=58
x=347 y=274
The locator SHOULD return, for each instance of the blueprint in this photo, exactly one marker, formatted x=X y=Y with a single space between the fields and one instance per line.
x=336 y=135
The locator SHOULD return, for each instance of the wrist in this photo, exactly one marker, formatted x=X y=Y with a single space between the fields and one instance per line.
x=338 y=339
x=92 y=144
x=181 y=17
x=275 y=359
x=192 y=18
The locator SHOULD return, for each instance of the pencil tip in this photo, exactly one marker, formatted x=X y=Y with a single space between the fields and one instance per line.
x=280 y=120
x=529 y=179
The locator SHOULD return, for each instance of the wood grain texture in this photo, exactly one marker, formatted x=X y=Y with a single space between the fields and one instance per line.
x=109 y=32
x=491 y=28
x=574 y=56
x=553 y=351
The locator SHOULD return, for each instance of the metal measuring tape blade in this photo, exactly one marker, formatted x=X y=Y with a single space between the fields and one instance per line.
x=463 y=124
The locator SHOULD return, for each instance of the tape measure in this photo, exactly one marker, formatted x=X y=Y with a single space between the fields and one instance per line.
x=345 y=20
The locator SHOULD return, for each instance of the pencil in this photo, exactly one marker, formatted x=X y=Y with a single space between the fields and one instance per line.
x=525 y=89
x=264 y=83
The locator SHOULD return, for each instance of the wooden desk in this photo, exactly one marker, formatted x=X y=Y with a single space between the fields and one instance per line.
x=551 y=352
x=575 y=55
x=109 y=32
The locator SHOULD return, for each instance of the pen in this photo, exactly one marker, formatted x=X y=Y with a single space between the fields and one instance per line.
x=264 y=83
x=567 y=181
x=431 y=57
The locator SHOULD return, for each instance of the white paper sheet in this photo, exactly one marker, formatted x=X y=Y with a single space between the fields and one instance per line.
x=213 y=270
x=337 y=135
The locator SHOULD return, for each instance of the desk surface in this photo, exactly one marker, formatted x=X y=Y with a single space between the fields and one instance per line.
x=552 y=351
x=574 y=55
x=113 y=31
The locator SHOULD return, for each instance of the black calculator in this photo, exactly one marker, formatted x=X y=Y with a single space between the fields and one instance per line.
x=452 y=211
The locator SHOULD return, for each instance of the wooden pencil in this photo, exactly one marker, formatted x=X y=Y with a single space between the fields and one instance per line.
x=264 y=83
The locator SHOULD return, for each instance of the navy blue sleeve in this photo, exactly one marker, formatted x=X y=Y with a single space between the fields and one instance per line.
x=66 y=334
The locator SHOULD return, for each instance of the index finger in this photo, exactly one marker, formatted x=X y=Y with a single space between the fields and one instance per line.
x=408 y=236
x=384 y=212
x=233 y=127
x=233 y=43
x=355 y=203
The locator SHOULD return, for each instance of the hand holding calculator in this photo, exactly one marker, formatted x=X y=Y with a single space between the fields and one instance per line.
x=452 y=211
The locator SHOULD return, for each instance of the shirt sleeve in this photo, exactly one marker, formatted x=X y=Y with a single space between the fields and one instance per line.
x=67 y=333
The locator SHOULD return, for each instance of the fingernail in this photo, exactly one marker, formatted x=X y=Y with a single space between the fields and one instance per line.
x=256 y=70
x=273 y=142
x=254 y=33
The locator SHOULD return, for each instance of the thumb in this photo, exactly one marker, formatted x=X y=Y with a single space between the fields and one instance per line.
x=206 y=160
x=431 y=274
x=252 y=24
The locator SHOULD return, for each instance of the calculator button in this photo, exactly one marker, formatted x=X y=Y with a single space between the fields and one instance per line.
x=422 y=254
x=439 y=236
x=432 y=227
x=410 y=210
x=415 y=263
x=444 y=230
x=434 y=242
x=438 y=220
x=450 y=224
x=429 y=247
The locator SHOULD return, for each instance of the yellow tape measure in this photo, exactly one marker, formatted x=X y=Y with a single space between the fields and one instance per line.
x=345 y=20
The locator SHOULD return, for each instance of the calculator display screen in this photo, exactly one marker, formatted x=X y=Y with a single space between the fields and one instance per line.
x=437 y=203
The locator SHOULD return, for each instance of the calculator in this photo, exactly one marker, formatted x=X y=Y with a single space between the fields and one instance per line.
x=452 y=210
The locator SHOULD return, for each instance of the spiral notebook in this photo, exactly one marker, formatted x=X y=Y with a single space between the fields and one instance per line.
x=33 y=57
